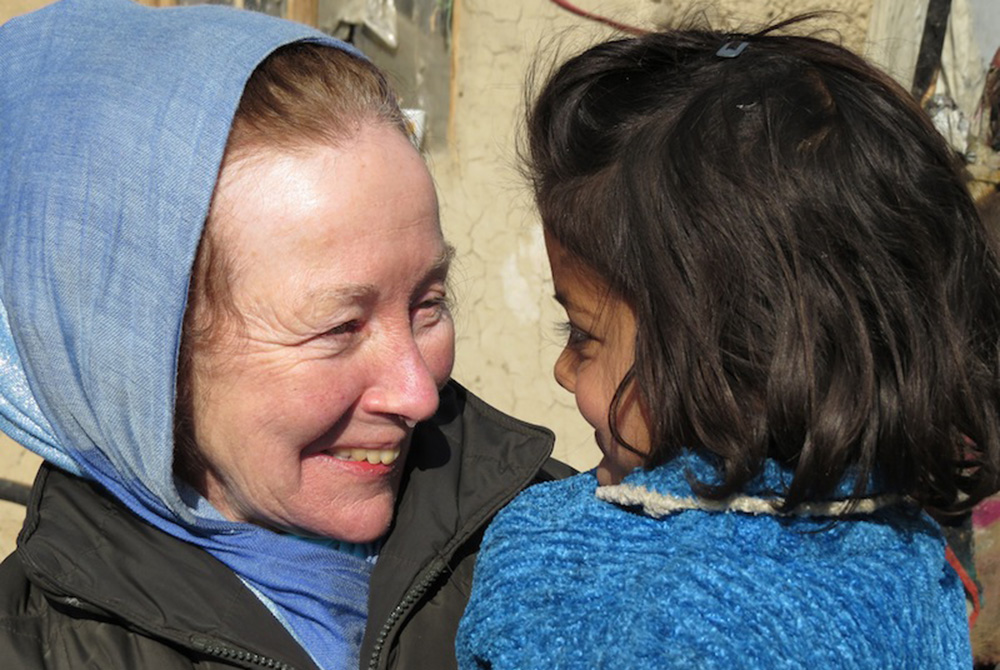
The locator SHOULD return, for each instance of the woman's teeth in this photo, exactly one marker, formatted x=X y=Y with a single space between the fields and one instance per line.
x=373 y=456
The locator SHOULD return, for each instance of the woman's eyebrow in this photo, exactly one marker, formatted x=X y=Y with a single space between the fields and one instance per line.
x=324 y=299
x=442 y=263
x=362 y=293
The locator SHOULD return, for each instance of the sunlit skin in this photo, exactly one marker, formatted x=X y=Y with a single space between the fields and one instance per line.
x=599 y=350
x=340 y=272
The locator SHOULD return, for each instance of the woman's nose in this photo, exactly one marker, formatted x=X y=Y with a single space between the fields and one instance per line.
x=404 y=384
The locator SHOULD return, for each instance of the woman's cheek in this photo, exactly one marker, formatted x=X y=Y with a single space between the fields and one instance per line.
x=438 y=350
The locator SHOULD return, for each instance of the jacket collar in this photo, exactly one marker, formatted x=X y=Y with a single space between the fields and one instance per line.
x=667 y=489
x=87 y=551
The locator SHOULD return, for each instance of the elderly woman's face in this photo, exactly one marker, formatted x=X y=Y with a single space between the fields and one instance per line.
x=304 y=416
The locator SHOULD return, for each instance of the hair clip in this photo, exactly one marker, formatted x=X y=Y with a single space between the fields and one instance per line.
x=731 y=49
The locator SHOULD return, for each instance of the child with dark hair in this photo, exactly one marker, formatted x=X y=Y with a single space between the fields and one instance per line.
x=783 y=325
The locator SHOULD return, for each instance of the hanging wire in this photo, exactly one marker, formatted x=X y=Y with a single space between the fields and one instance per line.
x=570 y=7
x=15 y=492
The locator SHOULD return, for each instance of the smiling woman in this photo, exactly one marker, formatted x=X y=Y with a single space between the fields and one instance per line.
x=224 y=323
x=322 y=397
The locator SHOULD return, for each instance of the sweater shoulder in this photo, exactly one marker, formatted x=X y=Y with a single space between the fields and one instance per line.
x=567 y=577
x=552 y=503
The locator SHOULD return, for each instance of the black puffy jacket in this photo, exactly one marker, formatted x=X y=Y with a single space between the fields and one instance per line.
x=92 y=586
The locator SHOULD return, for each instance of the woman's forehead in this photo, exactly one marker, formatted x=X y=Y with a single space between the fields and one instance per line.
x=332 y=224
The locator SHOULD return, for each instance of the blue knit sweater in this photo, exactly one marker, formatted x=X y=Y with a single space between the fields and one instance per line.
x=565 y=580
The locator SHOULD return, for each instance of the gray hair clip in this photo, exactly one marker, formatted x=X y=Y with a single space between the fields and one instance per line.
x=731 y=49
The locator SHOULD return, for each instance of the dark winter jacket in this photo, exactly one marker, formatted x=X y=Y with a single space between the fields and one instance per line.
x=92 y=586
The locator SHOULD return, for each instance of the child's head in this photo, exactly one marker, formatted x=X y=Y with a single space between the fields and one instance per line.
x=787 y=248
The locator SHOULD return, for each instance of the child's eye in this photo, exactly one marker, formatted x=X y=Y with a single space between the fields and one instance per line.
x=575 y=336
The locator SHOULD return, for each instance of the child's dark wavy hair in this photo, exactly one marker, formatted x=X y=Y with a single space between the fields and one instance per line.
x=810 y=278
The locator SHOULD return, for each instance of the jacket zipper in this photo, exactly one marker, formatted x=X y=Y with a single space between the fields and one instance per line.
x=433 y=571
x=203 y=644
x=227 y=653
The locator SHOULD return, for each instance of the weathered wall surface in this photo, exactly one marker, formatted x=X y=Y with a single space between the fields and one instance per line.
x=11 y=8
x=19 y=465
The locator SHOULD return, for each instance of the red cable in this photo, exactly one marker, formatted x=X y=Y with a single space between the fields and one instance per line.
x=970 y=586
x=570 y=7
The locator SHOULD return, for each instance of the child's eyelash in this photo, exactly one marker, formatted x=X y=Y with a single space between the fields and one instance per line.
x=573 y=335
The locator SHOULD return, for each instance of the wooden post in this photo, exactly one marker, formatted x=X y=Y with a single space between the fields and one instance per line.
x=894 y=31
x=303 y=11
x=929 y=57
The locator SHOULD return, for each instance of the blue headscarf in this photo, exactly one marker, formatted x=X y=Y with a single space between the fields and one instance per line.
x=113 y=122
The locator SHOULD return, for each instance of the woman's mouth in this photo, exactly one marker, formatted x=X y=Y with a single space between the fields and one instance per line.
x=372 y=456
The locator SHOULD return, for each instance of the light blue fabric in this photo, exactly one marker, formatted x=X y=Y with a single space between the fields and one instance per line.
x=113 y=121
x=564 y=580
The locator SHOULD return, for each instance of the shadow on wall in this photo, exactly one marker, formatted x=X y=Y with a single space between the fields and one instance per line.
x=986 y=533
x=986 y=548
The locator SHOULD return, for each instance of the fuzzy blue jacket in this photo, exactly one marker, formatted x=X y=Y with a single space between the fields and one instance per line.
x=565 y=580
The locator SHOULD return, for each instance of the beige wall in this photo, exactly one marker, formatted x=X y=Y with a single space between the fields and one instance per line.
x=20 y=465
x=11 y=8
x=505 y=315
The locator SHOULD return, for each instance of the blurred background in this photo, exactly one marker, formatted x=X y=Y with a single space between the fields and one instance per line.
x=460 y=67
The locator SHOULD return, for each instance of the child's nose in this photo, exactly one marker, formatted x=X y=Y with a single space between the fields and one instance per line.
x=565 y=372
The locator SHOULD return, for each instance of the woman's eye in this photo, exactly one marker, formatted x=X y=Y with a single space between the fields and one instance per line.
x=432 y=308
x=346 y=328
x=433 y=304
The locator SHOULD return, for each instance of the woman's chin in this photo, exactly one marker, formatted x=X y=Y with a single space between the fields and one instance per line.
x=344 y=500
x=371 y=522
x=363 y=534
